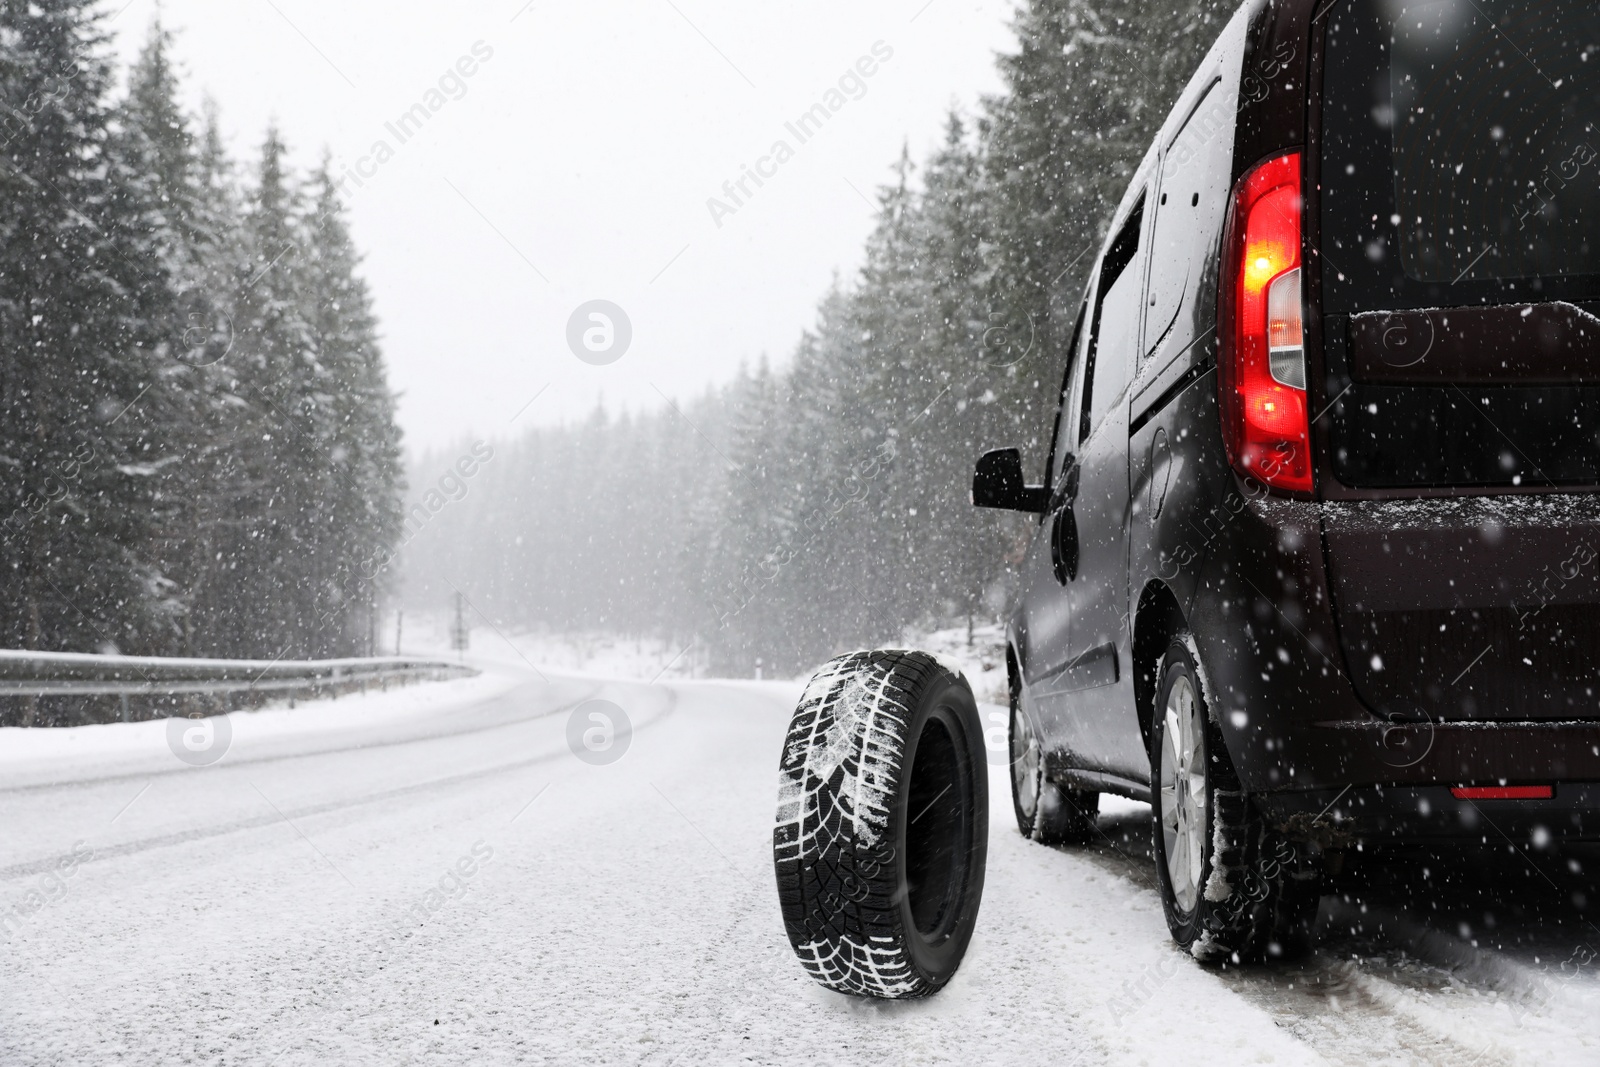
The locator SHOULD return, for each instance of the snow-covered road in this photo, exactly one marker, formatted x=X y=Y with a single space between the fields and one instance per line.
x=432 y=875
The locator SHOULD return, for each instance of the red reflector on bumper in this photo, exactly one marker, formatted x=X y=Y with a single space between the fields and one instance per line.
x=1502 y=792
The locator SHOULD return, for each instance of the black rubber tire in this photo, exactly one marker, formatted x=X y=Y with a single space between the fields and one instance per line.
x=882 y=828
x=1052 y=815
x=1259 y=891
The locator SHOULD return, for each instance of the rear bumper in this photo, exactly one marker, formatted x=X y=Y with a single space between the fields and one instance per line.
x=1515 y=753
x=1280 y=685
x=1421 y=813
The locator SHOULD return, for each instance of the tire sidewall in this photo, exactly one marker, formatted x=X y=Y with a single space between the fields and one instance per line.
x=949 y=699
x=1186 y=927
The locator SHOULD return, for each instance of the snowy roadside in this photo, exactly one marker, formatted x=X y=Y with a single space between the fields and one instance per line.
x=612 y=657
x=591 y=655
x=41 y=755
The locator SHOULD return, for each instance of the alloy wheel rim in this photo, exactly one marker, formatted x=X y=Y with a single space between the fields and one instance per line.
x=1183 y=793
x=1024 y=763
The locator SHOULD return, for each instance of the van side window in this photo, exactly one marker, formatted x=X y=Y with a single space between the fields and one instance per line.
x=1193 y=185
x=1114 y=330
x=1061 y=444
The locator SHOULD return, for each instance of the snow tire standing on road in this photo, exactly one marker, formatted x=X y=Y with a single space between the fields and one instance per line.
x=882 y=828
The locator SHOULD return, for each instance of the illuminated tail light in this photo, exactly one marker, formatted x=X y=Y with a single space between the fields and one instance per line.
x=1261 y=367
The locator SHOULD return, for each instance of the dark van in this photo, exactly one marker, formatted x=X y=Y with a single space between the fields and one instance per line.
x=1317 y=564
x=1318 y=555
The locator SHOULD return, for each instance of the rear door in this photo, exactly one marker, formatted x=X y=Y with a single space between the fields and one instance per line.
x=1098 y=677
x=1459 y=219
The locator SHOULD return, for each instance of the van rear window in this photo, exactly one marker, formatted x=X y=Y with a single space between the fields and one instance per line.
x=1461 y=152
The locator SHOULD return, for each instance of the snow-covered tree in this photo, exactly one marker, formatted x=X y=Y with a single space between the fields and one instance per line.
x=197 y=442
x=81 y=295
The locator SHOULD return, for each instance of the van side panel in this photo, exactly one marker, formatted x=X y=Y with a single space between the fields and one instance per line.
x=1178 y=474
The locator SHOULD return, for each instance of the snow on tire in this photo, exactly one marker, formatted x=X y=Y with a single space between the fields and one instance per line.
x=882 y=827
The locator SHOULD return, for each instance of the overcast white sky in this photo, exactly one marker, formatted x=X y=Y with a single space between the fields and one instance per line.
x=581 y=156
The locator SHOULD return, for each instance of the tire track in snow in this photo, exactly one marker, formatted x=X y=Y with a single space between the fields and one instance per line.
x=180 y=837
x=1350 y=1011
x=279 y=757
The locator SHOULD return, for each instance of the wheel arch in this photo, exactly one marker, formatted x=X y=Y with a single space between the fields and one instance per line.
x=1157 y=619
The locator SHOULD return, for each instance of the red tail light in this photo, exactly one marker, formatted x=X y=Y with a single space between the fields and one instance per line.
x=1261 y=368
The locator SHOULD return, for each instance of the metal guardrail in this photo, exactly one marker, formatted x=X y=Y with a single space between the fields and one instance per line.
x=72 y=673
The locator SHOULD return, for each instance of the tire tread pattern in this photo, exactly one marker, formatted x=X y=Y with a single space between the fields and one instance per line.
x=840 y=773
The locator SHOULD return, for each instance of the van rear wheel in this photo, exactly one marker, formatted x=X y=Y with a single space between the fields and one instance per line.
x=1233 y=889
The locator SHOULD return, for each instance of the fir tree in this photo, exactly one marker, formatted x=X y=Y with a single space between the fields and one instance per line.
x=183 y=228
x=355 y=408
x=197 y=450
x=77 y=279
